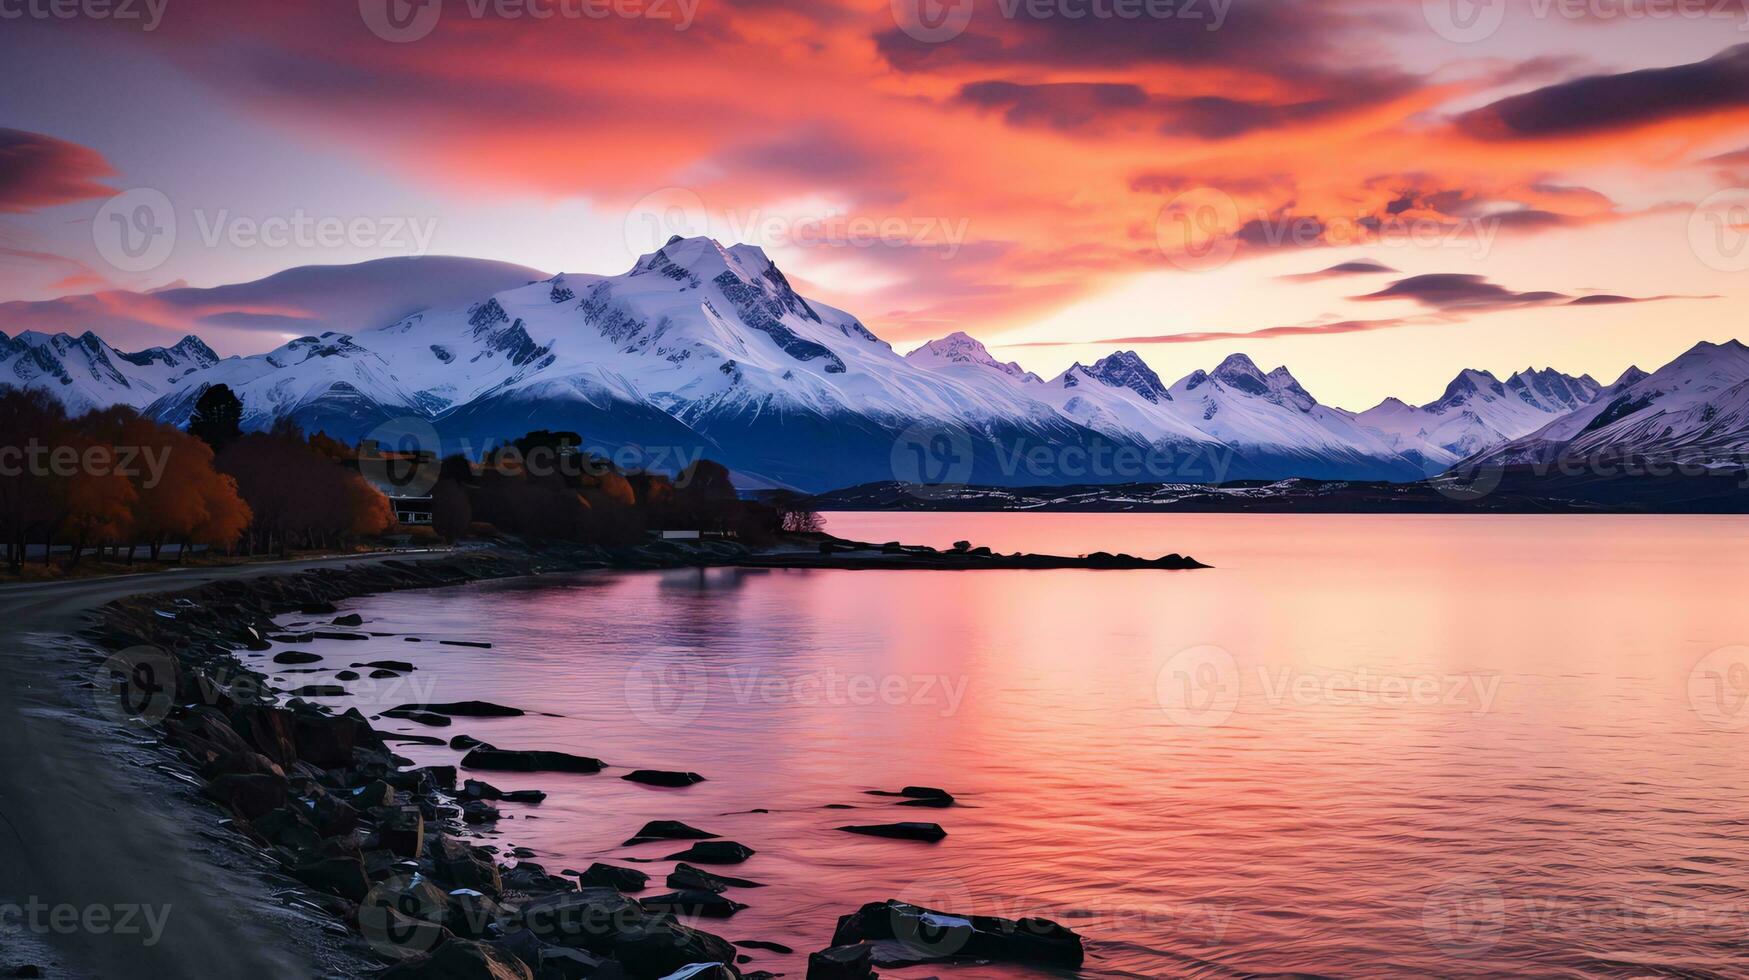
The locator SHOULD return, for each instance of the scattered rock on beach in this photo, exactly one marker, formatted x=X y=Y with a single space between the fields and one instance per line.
x=319 y=691
x=295 y=657
x=350 y=619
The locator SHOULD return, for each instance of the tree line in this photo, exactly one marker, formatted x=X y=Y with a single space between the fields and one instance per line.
x=111 y=483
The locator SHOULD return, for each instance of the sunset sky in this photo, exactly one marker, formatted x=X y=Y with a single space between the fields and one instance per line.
x=1301 y=181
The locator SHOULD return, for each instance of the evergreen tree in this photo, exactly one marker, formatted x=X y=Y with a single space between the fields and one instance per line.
x=218 y=417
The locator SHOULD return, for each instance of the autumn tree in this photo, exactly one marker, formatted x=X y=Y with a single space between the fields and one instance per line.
x=27 y=490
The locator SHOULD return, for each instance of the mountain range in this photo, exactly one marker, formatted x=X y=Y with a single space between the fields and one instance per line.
x=704 y=350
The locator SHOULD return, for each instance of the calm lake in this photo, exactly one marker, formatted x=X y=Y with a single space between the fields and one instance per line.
x=1359 y=747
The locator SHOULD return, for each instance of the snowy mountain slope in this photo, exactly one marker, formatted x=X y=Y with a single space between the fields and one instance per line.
x=1692 y=411
x=1478 y=410
x=84 y=372
x=701 y=350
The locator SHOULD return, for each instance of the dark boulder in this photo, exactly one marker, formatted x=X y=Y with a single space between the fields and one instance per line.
x=350 y=619
x=657 y=830
x=841 y=963
x=589 y=919
x=659 y=946
x=685 y=877
x=465 y=865
x=460 y=959
x=295 y=657
x=701 y=903
x=249 y=795
x=930 y=936
x=342 y=875
x=607 y=876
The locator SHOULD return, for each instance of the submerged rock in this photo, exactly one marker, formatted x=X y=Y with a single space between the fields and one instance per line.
x=507 y=760
x=658 y=830
x=658 y=777
x=685 y=877
x=295 y=657
x=930 y=832
x=699 y=902
x=465 y=709
x=714 y=852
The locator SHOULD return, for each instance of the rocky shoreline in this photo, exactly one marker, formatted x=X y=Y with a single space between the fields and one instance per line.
x=377 y=843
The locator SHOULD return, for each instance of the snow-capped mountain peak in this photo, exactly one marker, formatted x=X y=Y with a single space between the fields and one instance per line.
x=1123 y=369
x=960 y=348
x=1692 y=411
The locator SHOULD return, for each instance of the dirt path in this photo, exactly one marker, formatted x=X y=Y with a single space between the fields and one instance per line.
x=107 y=868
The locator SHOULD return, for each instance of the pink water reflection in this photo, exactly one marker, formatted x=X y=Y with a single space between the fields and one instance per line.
x=1359 y=747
